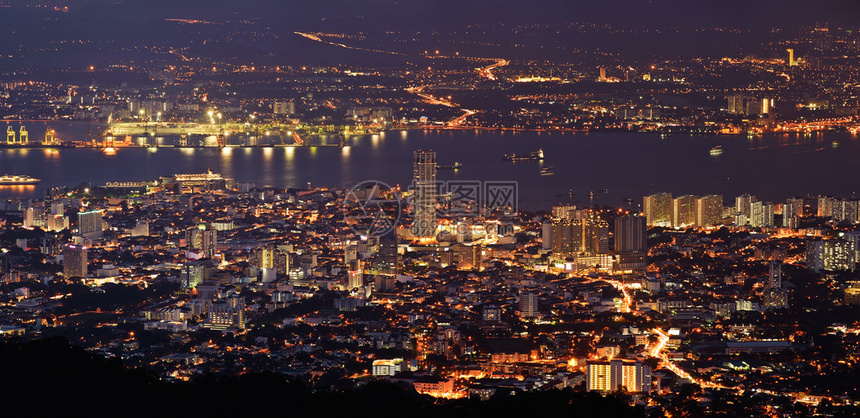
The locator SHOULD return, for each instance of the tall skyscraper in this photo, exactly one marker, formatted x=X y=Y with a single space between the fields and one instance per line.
x=846 y=210
x=74 y=261
x=612 y=375
x=387 y=255
x=424 y=183
x=709 y=210
x=90 y=223
x=830 y=254
x=684 y=210
x=658 y=209
x=631 y=242
x=590 y=235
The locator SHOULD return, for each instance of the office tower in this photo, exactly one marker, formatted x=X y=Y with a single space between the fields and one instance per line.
x=602 y=76
x=775 y=297
x=830 y=254
x=74 y=261
x=612 y=375
x=226 y=314
x=424 y=199
x=658 y=209
x=846 y=210
x=529 y=303
x=387 y=253
x=709 y=210
x=90 y=223
x=203 y=239
x=825 y=206
x=631 y=242
x=684 y=210
x=469 y=257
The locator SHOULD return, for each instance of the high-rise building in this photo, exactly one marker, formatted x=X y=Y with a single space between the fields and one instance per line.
x=355 y=273
x=709 y=210
x=595 y=234
x=566 y=237
x=684 y=210
x=90 y=223
x=761 y=214
x=281 y=261
x=736 y=104
x=846 y=210
x=830 y=254
x=469 y=256
x=825 y=206
x=263 y=257
x=529 y=303
x=424 y=186
x=631 y=242
x=75 y=261
x=658 y=209
x=789 y=59
x=743 y=209
x=615 y=374
x=387 y=255
x=793 y=205
x=204 y=239
x=774 y=277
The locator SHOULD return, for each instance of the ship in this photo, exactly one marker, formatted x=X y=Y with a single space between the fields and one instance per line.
x=534 y=156
x=547 y=171
x=455 y=166
x=13 y=180
x=718 y=150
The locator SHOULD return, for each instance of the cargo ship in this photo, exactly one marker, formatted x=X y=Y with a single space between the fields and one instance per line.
x=13 y=180
x=534 y=156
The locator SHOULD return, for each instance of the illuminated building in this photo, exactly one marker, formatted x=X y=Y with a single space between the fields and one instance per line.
x=226 y=314
x=743 y=209
x=195 y=272
x=203 y=239
x=424 y=199
x=830 y=254
x=631 y=242
x=90 y=223
x=846 y=210
x=387 y=256
x=684 y=210
x=761 y=214
x=775 y=296
x=387 y=367
x=491 y=313
x=793 y=205
x=262 y=257
x=709 y=210
x=825 y=206
x=281 y=261
x=529 y=303
x=566 y=237
x=74 y=261
x=469 y=257
x=658 y=209
x=736 y=104
x=852 y=296
x=284 y=108
x=612 y=375
x=790 y=61
x=355 y=273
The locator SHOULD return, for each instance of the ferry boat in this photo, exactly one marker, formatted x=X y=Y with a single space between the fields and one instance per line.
x=534 y=156
x=455 y=166
x=13 y=180
x=547 y=171
x=718 y=150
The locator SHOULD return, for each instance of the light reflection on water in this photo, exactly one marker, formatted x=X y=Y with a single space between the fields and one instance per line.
x=628 y=165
